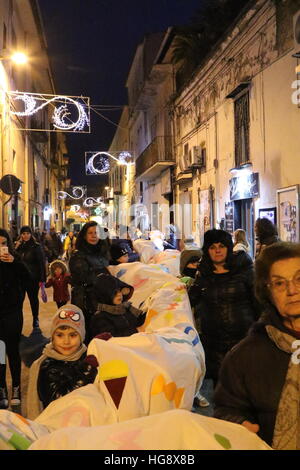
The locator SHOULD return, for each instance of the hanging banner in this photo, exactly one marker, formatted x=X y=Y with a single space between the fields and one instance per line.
x=64 y=113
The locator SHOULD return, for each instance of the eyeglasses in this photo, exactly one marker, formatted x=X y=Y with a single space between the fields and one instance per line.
x=282 y=284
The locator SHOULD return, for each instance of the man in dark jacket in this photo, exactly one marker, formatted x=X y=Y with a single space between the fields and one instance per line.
x=32 y=256
x=223 y=297
x=53 y=245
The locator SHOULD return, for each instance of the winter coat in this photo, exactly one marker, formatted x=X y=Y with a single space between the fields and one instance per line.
x=263 y=242
x=60 y=287
x=118 y=320
x=252 y=377
x=85 y=265
x=121 y=324
x=13 y=279
x=69 y=245
x=226 y=307
x=241 y=247
x=58 y=378
x=32 y=256
x=53 y=247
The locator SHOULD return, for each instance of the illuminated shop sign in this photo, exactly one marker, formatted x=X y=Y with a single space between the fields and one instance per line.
x=244 y=186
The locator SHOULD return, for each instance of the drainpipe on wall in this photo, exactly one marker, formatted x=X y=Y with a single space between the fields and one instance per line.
x=217 y=185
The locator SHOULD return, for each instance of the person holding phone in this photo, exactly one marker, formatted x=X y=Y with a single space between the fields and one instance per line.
x=32 y=256
x=13 y=276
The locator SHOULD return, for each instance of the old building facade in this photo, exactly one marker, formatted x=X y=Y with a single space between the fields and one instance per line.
x=232 y=129
x=35 y=158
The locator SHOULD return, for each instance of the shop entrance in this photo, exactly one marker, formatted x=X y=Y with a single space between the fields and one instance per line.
x=244 y=218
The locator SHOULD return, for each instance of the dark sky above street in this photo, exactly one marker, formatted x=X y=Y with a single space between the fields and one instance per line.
x=91 y=46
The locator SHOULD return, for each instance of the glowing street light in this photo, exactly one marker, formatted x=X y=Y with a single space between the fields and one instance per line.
x=19 y=58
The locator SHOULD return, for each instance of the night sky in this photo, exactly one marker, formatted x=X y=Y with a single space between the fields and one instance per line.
x=91 y=46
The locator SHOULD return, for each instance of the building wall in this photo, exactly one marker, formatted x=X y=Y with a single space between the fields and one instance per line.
x=22 y=153
x=202 y=113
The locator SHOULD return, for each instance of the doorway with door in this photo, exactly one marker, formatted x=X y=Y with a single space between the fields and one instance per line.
x=244 y=218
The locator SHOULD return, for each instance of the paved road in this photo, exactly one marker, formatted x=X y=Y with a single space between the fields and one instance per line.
x=46 y=314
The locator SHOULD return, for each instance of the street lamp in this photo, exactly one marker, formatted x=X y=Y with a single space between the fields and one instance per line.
x=18 y=58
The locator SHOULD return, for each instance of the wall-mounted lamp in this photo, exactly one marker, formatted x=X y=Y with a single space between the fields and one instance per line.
x=242 y=169
x=18 y=58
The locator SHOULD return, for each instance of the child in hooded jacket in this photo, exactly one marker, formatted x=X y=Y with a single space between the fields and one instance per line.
x=115 y=315
x=63 y=366
x=59 y=280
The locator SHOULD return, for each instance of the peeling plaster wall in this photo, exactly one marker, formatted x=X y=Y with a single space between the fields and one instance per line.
x=249 y=53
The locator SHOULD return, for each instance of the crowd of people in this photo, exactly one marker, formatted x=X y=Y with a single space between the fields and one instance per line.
x=247 y=313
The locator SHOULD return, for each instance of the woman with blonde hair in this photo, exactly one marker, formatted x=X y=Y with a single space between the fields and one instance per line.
x=240 y=242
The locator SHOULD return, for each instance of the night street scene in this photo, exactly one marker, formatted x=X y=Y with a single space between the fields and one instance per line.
x=149 y=234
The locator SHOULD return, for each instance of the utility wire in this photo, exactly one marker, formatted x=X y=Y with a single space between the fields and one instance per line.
x=106 y=119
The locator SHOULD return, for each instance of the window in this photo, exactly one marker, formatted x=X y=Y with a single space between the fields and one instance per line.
x=153 y=128
x=241 y=129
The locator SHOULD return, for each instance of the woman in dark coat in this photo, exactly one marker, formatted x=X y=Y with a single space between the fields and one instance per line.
x=13 y=277
x=90 y=258
x=266 y=234
x=259 y=383
x=32 y=256
x=223 y=297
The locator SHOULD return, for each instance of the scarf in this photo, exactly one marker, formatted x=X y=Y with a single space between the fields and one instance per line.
x=287 y=426
x=119 y=309
x=34 y=405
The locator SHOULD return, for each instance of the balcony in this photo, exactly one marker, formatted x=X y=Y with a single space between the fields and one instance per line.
x=157 y=157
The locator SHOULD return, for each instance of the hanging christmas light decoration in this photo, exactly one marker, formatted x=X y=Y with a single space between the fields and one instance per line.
x=78 y=192
x=91 y=201
x=68 y=117
x=98 y=211
x=97 y=163
x=125 y=158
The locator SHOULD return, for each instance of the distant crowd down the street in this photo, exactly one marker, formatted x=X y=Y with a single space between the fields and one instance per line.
x=218 y=314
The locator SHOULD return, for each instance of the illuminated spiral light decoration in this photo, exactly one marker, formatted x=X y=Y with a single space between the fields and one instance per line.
x=103 y=165
x=91 y=201
x=78 y=192
x=60 y=114
x=125 y=158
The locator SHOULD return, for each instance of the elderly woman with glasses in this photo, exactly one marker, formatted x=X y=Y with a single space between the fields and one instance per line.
x=259 y=382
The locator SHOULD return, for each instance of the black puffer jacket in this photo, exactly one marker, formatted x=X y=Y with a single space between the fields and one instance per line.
x=252 y=377
x=124 y=324
x=58 y=378
x=32 y=256
x=13 y=278
x=226 y=307
x=85 y=265
x=118 y=320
